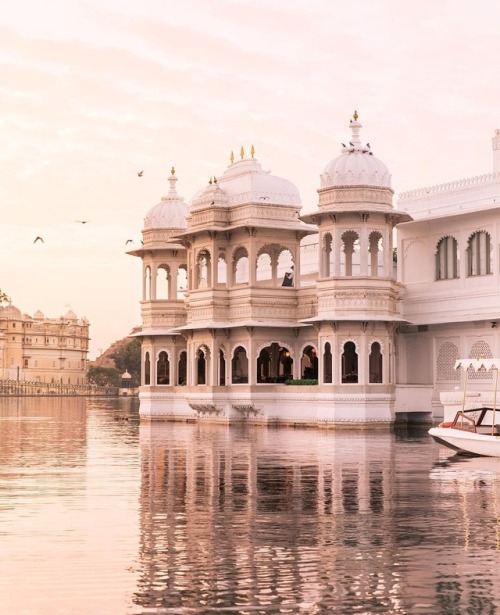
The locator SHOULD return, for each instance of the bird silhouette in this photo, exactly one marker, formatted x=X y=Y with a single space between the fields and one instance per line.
x=343 y=145
x=39 y=239
x=264 y=198
x=212 y=203
x=140 y=174
x=81 y=221
x=368 y=145
x=351 y=144
x=129 y=241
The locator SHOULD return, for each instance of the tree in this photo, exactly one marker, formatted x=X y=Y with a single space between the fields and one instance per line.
x=3 y=297
x=104 y=376
x=128 y=358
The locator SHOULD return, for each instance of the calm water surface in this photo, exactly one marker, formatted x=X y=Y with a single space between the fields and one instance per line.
x=101 y=515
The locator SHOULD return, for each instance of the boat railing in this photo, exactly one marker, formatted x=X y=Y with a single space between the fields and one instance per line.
x=464 y=422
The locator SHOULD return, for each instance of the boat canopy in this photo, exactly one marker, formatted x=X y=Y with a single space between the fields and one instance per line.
x=477 y=364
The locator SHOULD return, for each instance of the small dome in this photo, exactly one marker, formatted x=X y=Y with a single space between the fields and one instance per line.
x=356 y=166
x=245 y=181
x=70 y=315
x=10 y=311
x=38 y=315
x=171 y=211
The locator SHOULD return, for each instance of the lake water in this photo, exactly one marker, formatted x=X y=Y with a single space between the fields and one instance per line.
x=102 y=515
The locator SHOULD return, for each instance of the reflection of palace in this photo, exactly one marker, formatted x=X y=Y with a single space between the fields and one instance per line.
x=230 y=517
x=241 y=292
x=266 y=517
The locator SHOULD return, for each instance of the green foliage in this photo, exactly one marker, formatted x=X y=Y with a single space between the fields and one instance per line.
x=3 y=297
x=394 y=255
x=104 y=376
x=128 y=358
x=302 y=381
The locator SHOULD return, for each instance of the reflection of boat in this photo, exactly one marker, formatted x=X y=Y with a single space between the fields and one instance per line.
x=473 y=430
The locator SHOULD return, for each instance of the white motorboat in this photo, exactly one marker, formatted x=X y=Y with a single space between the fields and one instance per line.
x=473 y=431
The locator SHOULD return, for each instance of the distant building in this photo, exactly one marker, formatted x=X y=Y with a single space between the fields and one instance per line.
x=40 y=349
x=243 y=293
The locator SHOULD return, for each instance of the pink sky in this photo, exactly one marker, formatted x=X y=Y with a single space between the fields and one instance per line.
x=91 y=92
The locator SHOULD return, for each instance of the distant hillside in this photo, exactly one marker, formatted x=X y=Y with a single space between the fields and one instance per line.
x=105 y=360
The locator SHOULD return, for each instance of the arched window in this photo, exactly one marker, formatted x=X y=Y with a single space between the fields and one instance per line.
x=349 y=363
x=163 y=369
x=447 y=259
x=478 y=254
x=203 y=269
x=182 y=368
x=264 y=268
x=240 y=266
x=162 y=282
x=147 y=369
x=375 y=364
x=239 y=366
x=327 y=364
x=264 y=366
x=182 y=281
x=222 y=270
x=309 y=364
x=201 y=368
x=222 y=369
x=285 y=268
x=350 y=254
x=274 y=364
x=376 y=254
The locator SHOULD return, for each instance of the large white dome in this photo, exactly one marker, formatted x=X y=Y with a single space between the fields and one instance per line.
x=356 y=166
x=245 y=181
x=170 y=212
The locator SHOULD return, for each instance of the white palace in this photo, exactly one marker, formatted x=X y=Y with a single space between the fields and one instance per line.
x=252 y=311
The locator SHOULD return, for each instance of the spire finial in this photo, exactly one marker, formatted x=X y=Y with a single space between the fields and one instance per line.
x=231 y=157
x=171 y=180
x=252 y=151
x=242 y=152
x=355 y=116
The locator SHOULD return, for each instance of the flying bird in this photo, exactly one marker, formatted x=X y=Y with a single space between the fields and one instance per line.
x=368 y=145
x=264 y=198
x=81 y=221
x=212 y=203
x=343 y=145
x=129 y=241
x=39 y=239
x=351 y=144
x=140 y=173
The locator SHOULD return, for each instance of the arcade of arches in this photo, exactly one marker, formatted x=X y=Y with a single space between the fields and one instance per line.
x=274 y=364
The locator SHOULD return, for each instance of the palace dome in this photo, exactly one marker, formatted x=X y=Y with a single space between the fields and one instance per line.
x=70 y=315
x=356 y=166
x=38 y=315
x=10 y=311
x=245 y=181
x=170 y=212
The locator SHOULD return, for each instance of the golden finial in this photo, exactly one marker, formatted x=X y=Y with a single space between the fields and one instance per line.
x=172 y=170
x=252 y=151
x=231 y=157
x=355 y=116
x=242 y=152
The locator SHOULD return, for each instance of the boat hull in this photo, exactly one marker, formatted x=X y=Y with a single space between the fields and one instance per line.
x=467 y=441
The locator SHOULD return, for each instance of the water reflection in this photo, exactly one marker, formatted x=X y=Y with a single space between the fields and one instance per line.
x=270 y=521
x=100 y=515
